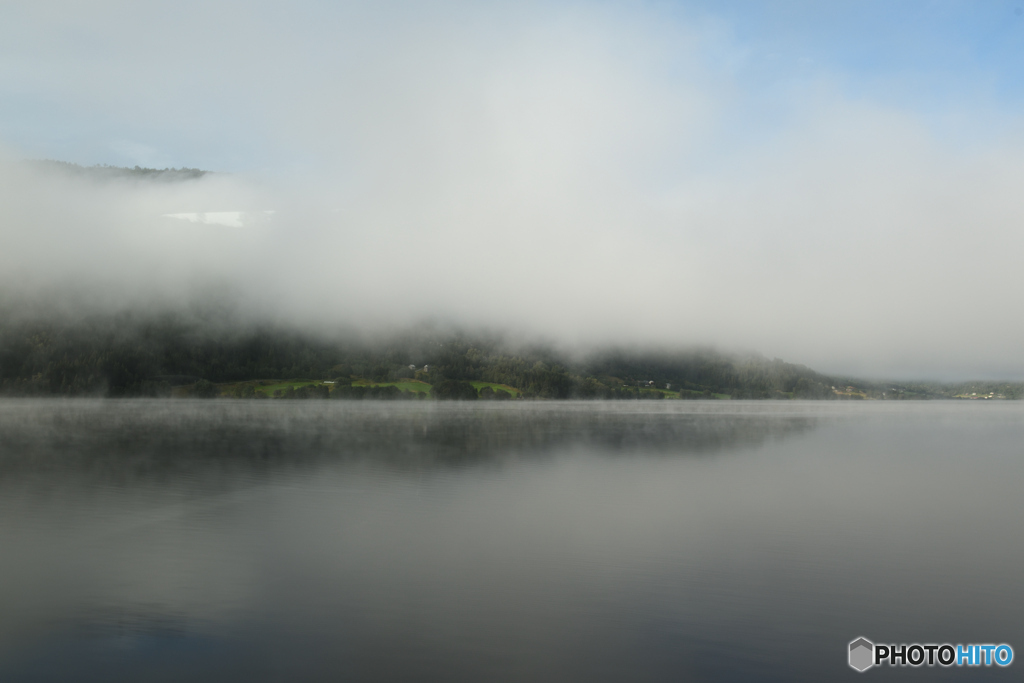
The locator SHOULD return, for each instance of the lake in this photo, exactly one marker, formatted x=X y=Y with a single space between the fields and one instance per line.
x=544 y=541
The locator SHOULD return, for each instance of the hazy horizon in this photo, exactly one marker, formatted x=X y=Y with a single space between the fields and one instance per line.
x=835 y=186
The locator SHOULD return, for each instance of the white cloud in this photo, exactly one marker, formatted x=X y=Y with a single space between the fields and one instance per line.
x=232 y=219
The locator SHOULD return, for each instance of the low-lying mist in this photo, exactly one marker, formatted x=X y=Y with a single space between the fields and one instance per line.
x=573 y=174
x=87 y=243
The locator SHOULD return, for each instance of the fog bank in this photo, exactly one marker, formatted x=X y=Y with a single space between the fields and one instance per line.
x=593 y=175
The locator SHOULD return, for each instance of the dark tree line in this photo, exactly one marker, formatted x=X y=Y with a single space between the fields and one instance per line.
x=105 y=172
x=147 y=355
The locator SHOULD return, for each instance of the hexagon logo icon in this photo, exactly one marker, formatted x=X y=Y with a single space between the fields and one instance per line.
x=862 y=654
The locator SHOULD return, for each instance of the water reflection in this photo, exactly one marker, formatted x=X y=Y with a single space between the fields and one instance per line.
x=172 y=434
x=311 y=541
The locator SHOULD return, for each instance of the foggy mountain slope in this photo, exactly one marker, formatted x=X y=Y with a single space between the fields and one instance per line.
x=137 y=354
x=648 y=175
x=123 y=281
x=584 y=176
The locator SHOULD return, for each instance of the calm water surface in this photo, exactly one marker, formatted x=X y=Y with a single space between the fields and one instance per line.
x=308 y=540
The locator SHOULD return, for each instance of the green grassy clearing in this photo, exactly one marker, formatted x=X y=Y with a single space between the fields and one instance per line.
x=269 y=389
x=413 y=385
x=424 y=388
x=697 y=394
x=504 y=387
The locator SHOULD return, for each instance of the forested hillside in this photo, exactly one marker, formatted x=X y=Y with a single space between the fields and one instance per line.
x=137 y=355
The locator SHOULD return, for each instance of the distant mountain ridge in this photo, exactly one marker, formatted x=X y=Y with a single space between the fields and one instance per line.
x=109 y=172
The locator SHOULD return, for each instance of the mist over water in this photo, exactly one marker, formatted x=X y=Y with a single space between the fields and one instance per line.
x=553 y=541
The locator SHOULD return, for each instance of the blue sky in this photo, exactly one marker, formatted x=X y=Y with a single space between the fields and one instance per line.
x=933 y=58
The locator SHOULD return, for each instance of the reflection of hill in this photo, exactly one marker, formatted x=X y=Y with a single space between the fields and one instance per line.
x=175 y=435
